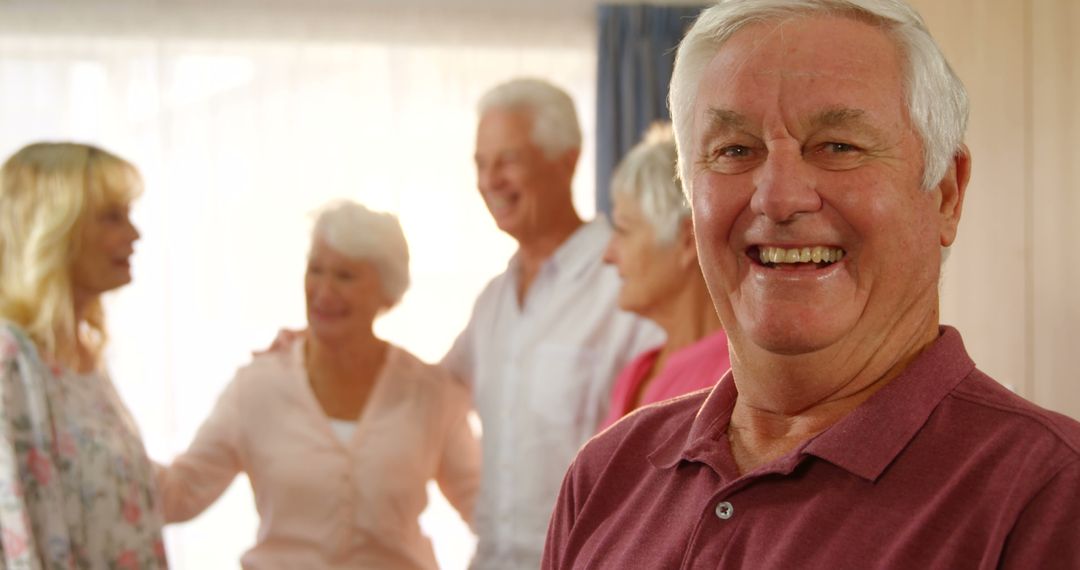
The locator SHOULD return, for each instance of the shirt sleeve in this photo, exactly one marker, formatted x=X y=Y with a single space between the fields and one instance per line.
x=458 y=475
x=196 y=478
x=459 y=359
x=1047 y=533
x=33 y=529
x=561 y=524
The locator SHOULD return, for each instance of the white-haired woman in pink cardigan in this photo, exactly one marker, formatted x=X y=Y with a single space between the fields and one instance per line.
x=339 y=431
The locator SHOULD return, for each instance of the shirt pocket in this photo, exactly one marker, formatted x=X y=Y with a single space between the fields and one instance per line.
x=561 y=384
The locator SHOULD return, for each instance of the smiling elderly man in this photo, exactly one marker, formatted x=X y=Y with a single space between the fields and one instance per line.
x=546 y=337
x=821 y=146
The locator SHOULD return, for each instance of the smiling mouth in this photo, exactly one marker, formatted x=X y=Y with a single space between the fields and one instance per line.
x=815 y=257
x=499 y=203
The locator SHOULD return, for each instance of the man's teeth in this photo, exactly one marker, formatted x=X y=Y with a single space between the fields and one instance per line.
x=800 y=255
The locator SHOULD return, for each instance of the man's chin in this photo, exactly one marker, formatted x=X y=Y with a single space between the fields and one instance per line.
x=793 y=338
x=512 y=229
x=505 y=223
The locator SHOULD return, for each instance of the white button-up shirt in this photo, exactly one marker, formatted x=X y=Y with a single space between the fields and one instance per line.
x=541 y=374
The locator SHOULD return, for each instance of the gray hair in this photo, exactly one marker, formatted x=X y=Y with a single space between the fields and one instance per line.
x=647 y=175
x=363 y=234
x=555 y=127
x=936 y=99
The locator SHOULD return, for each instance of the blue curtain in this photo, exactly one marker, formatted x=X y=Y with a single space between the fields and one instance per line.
x=635 y=56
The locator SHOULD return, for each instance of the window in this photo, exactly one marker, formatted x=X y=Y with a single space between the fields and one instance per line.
x=238 y=140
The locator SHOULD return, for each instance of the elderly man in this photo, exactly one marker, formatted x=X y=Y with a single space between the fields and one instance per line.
x=821 y=146
x=546 y=338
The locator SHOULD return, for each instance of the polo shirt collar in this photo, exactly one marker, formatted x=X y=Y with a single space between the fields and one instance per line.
x=865 y=441
x=868 y=439
x=704 y=442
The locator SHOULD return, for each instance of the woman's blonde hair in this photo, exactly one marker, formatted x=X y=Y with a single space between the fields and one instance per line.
x=47 y=192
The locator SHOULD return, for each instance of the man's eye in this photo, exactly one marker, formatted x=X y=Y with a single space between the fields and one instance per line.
x=733 y=158
x=838 y=147
x=733 y=151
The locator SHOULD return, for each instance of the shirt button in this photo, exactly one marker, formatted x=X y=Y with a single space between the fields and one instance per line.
x=724 y=510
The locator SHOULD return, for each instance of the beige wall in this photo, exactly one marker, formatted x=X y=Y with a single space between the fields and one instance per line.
x=1012 y=285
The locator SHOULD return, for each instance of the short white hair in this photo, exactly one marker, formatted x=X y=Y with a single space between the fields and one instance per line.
x=555 y=127
x=647 y=175
x=936 y=99
x=362 y=234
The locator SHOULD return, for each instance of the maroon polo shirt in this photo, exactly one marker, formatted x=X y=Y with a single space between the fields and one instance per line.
x=941 y=468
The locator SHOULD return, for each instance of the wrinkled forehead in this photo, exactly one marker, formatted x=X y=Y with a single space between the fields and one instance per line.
x=804 y=64
x=505 y=125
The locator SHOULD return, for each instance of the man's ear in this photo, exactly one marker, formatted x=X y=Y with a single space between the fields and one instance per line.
x=686 y=243
x=568 y=160
x=952 y=190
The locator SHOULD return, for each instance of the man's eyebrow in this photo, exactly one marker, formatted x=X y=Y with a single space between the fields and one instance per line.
x=847 y=117
x=726 y=121
x=721 y=120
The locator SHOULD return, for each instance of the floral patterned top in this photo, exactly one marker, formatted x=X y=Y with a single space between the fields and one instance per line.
x=76 y=486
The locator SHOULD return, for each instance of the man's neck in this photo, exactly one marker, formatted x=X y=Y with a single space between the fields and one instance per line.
x=535 y=249
x=785 y=400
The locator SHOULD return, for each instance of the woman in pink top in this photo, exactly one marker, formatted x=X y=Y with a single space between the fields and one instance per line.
x=653 y=248
x=339 y=431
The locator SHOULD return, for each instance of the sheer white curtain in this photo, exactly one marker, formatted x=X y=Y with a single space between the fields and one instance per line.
x=238 y=140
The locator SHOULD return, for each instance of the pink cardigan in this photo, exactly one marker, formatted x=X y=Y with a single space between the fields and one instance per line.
x=689 y=369
x=323 y=503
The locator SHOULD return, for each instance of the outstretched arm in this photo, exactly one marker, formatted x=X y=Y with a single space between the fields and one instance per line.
x=196 y=478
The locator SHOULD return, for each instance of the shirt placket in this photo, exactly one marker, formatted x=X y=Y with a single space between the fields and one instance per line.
x=516 y=414
x=719 y=521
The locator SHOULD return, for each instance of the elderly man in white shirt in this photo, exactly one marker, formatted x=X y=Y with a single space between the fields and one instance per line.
x=546 y=337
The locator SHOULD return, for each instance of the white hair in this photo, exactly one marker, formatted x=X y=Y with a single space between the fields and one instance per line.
x=555 y=127
x=647 y=175
x=936 y=100
x=363 y=234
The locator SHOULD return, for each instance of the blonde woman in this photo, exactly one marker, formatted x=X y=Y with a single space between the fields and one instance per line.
x=76 y=487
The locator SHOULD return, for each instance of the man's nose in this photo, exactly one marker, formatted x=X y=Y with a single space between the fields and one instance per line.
x=784 y=187
x=489 y=177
